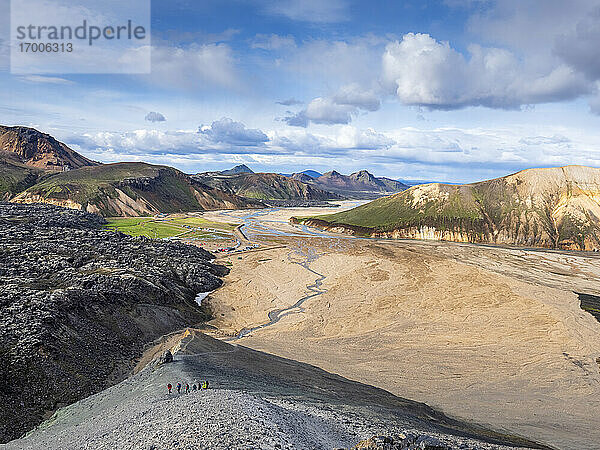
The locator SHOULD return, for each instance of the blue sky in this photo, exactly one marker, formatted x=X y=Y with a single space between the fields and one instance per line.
x=449 y=90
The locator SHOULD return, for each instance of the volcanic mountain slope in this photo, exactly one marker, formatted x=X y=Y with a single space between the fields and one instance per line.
x=78 y=304
x=40 y=150
x=265 y=186
x=552 y=208
x=15 y=176
x=254 y=400
x=360 y=184
x=129 y=189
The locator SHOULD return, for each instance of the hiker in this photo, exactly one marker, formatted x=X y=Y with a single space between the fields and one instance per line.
x=204 y=384
x=169 y=387
x=194 y=387
x=179 y=388
x=187 y=388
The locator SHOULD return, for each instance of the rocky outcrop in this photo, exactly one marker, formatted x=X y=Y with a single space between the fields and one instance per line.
x=405 y=441
x=78 y=304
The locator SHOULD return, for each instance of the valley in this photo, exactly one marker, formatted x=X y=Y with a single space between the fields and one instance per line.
x=486 y=334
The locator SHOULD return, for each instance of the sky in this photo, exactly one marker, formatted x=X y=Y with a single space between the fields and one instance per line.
x=446 y=90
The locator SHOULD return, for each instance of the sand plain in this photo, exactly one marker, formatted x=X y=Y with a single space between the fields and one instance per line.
x=486 y=334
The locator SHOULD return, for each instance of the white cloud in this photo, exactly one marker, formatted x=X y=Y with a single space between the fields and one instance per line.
x=197 y=67
x=273 y=42
x=323 y=111
x=289 y=102
x=425 y=72
x=228 y=131
x=337 y=109
x=316 y=11
x=154 y=116
x=354 y=95
x=46 y=79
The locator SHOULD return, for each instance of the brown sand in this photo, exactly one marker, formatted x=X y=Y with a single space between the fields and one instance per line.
x=490 y=335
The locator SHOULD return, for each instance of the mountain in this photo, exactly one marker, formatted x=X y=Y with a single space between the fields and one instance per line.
x=129 y=189
x=360 y=184
x=552 y=208
x=264 y=186
x=15 y=176
x=78 y=305
x=302 y=177
x=312 y=173
x=40 y=150
x=242 y=168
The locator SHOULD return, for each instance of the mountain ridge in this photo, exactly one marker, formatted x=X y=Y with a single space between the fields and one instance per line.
x=265 y=186
x=129 y=189
x=549 y=207
x=361 y=184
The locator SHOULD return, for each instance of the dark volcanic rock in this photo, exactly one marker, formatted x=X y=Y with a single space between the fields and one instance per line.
x=78 y=305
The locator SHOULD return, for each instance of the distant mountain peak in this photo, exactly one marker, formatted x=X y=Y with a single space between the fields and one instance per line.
x=363 y=175
x=311 y=173
x=240 y=168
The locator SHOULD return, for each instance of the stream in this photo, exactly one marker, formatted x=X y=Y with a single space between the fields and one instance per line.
x=308 y=255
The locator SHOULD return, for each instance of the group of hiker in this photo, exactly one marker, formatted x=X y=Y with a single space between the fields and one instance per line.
x=198 y=386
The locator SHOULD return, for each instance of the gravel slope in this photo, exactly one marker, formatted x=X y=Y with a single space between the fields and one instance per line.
x=255 y=401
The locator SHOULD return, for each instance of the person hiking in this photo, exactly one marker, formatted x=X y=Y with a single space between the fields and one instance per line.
x=187 y=388
x=194 y=387
x=169 y=387
x=179 y=388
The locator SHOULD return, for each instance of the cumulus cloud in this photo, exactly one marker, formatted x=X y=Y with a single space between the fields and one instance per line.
x=322 y=111
x=354 y=95
x=153 y=116
x=580 y=48
x=423 y=71
x=461 y=153
x=230 y=132
x=337 y=109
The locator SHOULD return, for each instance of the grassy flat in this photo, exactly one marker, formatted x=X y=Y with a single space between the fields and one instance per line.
x=144 y=226
x=169 y=227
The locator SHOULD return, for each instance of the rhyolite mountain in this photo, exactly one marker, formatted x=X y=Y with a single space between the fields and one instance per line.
x=78 y=304
x=40 y=150
x=241 y=168
x=360 y=184
x=264 y=186
x=15 y=176
x=129 y=189
x=551 y=208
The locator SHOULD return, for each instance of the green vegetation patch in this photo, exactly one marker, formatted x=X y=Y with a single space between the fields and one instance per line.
x=204 y=223
x=143 y=226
